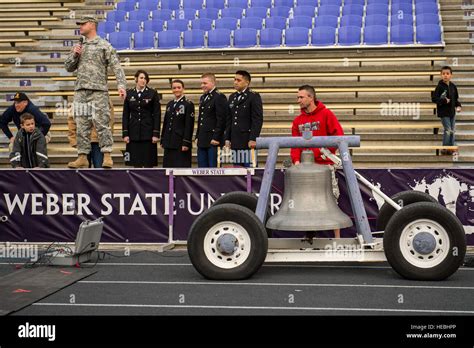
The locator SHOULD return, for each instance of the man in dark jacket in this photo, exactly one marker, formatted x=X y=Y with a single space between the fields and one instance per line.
x=244 y=120
x=211 y=122
x=20 y=106
x=447 y=102
x=29 y=146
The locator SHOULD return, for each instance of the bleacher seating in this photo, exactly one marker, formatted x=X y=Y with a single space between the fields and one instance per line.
x=352 y=81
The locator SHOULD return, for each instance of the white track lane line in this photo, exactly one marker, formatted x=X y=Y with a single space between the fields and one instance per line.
x=255 y=308
x=265 y=265
x=131 y=282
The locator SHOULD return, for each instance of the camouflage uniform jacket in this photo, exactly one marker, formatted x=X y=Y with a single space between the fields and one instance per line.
x=92 y=64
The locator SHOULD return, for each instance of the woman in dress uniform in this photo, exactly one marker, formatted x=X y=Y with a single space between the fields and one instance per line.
x=178 y=128
x=141 y=123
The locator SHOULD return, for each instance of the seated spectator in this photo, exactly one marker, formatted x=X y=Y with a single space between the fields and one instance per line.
x=21 y=105
x=29 y=145
x=95 y=157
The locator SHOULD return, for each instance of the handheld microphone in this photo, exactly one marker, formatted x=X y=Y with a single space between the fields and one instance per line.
x=81 y=42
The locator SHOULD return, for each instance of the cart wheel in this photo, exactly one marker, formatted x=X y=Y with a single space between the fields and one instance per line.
x=244 y=199
x=424 y=241
x=228 y=242
x=403 y=198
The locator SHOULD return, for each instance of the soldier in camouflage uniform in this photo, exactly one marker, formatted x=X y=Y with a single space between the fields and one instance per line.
x=91 y=98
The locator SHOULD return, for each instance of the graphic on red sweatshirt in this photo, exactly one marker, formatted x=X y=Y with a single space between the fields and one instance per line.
x=322 y=122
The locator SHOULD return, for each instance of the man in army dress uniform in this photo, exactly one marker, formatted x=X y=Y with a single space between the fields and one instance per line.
x=211 y=122
x=244 y=120
x=91 y=59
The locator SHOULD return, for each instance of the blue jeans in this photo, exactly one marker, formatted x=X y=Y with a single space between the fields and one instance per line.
x=449 y=124
x=95 y=157
x=207 y=157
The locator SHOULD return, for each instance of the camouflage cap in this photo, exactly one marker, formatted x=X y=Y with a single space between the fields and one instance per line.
x=85 y=19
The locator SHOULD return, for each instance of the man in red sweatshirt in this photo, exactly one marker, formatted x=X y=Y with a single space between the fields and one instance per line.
x=316 y=117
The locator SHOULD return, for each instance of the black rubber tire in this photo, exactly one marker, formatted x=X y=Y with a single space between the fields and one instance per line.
x=221 y=213
x=403 y=198
x=434 y=212
x=244 y=199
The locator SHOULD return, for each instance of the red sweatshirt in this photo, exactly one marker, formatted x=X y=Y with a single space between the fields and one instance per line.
x=323 y=122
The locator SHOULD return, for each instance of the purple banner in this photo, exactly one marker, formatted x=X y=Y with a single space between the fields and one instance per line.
x=48 y=205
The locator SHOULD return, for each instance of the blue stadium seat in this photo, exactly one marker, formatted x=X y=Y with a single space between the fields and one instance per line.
x=215 y=4
x=326 y=21
x=376 y=9
x=226 y=23
x=329 y=10
x=420 y=1
x=427 y=18
x=218 y=38
x=354 y=2
x=348 y=36
x=245 y=37
x=394 y=2
x=313 y=3
x=232 y=12
x=238 y=3
x=194 y=38
x=169 y=4
x=177 y=24
x=261 y=12
x=353 y=20
x=428 y=34
x=202 y=24
x=371 y=2
x=282 y=11
x=139 y=15
x=251 y=22
x=296 y=37
x=130 y=26
x=161 y=14
x=402 y=9
x=169 y=39
x=211 y=13
x=353 y=10
x=101 y=34
x=323 y=36
x=330 y=2
x=270 y=37
x=304 y=11
x=401 y=34
x=149 y=5
x=375 y=35
x=426 y=7
x=115 y=16
x=261 y=3
x=144 y=40
x=194 y=4
x=107 y=27
x=376 y=20
x=125 y=6
x=275 y=22
x=185 y=13
x=401 y=19
x=120 y=41
x=301 y=21
x=154 y=25
x=285 y=3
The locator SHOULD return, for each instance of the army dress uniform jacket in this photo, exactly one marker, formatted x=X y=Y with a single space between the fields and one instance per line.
x=178 y=125
x=212 y=118
x=97 y=56
x=244 y=119
x=141 y=117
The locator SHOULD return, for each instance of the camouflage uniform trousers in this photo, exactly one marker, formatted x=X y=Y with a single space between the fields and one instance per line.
x=92 y=108
x=334 y=182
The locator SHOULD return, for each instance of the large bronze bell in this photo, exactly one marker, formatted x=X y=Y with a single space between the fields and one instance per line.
x=308 y=203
